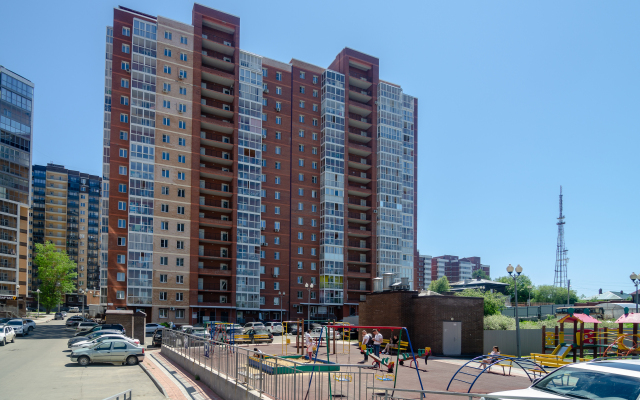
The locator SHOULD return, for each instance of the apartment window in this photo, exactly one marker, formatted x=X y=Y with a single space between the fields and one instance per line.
x=124 y=135
x=166 y=139
x=167 y=69
x=120 y=294
x=163 y=278
x=314 y=222
x=278 y=76
x=180 y=245
x=314 y=150
x=276 y=285
x=164 y=243
x=165 y=173
x=180 y=176
x=264 y=147
x=125 y=48
x=262 y=285
x=122 y=188
x=277 y=195
x=122 y=206
x=302 y=74
x=300 y=206
x=300 y=236
x=263 y=193
x=278 y=135
x=302 y=89
x=315 y=79
x=300 y=250
x=183 y=39
x=299 y=279
x=313 y=266
x=121 y=259
x=314 y=179
x=163 y=295
x=278 y=106
x=164 y=225
x=300 y=192
x=278 y=120
x=301 y=147
x=123 y=153
x=300 y=265
x=314 y=165
x=301 y=119
x=276 y=225
x=179 y=262
x=313 y=251
x=122 y=223
x=313 y=237
x=166 y=87
x=300 y=162
x=165 y=190
x=276 y=240
x=179 y=314
x=277 y=210
x=315 y=107
x=164 y=260
x=299 y=296
x=124 y=118
x=314 y=136
x=182 y=142
x=183 y=57
x=166 y=121
x=167 y=52
x=277 y=165
x=183 y=91
x=164 y=208
x=276 y=255
x=183 y=74
x=264 y=162
x=300 y=221
x=264 y=72
x=120 y=276
x=180 y=227
x=278 y=150
x=264 y=116
x=122 y=241
x=182 y=125
x=277 y=180
x=165 y=155
x=168 y=35
x=278 y=90
x=180 y=279
x=314 y=122
x=126 y=31
x=301 y=133
x=163 y=313
x=300 y=177
x=263 y=254
x=182 y=159
x=124 y=65
x=124 y=83
x=263 y=208
x=301 y=104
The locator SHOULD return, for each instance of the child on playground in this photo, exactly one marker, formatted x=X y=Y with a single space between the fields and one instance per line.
x=366 y=342
x=309 y=344
x=494 y=352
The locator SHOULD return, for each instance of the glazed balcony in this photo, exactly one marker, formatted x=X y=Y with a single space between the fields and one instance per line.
x=359 y=203
x=216 y=188
x=8 y=236
x=216 y=205
x=218 y=108
x=216 y=140
x=359 y=163
x=359 y=80
x=217 y=44
x=216 y=123
x=358 y=121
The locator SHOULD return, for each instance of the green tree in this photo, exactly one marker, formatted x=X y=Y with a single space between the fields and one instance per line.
x=493 y=302
x=553 y=294
x=56 y=272
x=440 y=286
x=525 y=287
x=479 y=274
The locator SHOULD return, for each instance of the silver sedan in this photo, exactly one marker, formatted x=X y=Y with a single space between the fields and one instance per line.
x=110 y=351
x=100 y=339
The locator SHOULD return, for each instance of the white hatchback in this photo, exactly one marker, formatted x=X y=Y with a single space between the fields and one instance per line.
x=605 y=379
x=7 y=335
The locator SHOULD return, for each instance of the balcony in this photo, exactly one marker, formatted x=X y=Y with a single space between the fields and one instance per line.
x=216 y=61
x=360 y=136
x=353 y=287
x=358 y=177
x=221 y=77
x=215 y=222
x=212 y=171
x=356 y=245
x=356 y=231
x=360 y=95
x=216 y=91
x=358 y=260
x=7 y=237
x=359 y=163
x=57 y=210
x=216 y=140
x=60 y=227
x=217 y=44
x=358 y=121
x=8 y=223
x=56 y=195
x=358 y=190
x=358 y=204
x=217 y=189
x=217 y=108
x=358 y=272
x=57 y=178
x=359 y=218
x=216 y=205
x=359 y=149
x=359 y=80
x=57 y=186
x=214 y=237
x=216 y=156
x=214 y=254
x=205 y=270
x=215 y=123
x=356 y=299
x=213 y=287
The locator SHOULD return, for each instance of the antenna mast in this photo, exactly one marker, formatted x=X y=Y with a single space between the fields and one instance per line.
x=560 y=278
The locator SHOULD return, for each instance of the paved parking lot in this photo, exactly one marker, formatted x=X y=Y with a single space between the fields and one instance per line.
x=38 y=366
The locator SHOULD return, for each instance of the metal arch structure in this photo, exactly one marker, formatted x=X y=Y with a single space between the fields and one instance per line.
x=524 y=363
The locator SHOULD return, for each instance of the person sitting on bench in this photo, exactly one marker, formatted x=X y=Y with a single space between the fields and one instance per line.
x=393 y=344
x=486 y=361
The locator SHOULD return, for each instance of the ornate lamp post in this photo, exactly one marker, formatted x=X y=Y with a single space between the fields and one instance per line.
x=281 y=294
x=636 y=280
x=309 y=287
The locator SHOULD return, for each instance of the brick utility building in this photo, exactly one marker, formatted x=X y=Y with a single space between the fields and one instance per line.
x=16 y=133
x=235 y=180
x=66 y=212
x=456 y=269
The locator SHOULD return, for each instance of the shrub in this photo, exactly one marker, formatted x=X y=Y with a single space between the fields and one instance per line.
x=499 y=322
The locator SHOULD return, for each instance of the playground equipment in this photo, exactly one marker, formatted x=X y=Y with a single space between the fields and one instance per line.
x=582 y=338
x=479 y=365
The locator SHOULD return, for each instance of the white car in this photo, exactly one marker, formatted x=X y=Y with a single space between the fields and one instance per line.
x=89 y=343
x=274 y=327
x=252 y=325
x=7 y=334
x=19 y=326
x=150 y=328
x=605 y=379
x=31 y=324
x=74 y=309
x=85 y=326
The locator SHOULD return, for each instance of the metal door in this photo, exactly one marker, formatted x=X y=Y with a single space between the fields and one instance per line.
x=451 y=338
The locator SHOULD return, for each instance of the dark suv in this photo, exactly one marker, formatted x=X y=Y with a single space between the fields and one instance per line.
x=116 y=327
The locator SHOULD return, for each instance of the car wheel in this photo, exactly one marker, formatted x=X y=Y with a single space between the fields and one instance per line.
x=13 y=339
x=84 y=361
x=4 y=341
x=132 y=360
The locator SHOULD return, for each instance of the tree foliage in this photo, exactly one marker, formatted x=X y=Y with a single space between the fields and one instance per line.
x=525 y=287
x=479 y=273
x=553 y=294
x=56 y=272
x=493 y=302
x=440 y=286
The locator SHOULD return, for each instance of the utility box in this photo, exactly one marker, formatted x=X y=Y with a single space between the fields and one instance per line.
x=133 y=322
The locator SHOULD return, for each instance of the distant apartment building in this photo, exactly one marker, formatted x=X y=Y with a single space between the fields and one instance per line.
x=66 y=212
x=235 y=181
x=456 y=269
x=424 y=272
x=16 y=133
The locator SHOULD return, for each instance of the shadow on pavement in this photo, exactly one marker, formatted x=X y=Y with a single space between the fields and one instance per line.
x=48 y=332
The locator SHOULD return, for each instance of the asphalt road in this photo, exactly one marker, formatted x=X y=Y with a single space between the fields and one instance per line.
x=38 y=366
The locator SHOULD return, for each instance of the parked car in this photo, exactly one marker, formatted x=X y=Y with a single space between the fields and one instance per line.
x=613 y=379
x=112 y=327
x=157 y=338
x=253 y=325
x=274 y=327
x=74 y=320
x=110 y=351
x=64 y=313
x=92 y=335
x=74 y=309
x=186 y=328
x=85 y=326
x=30 y=323
x=150 y=328
x=100 y=339
x=200 y=331
x=7 y=334
x=19 y=326
x=4 y=320
x=259 y=335
x=58 y=316
x=318 y=330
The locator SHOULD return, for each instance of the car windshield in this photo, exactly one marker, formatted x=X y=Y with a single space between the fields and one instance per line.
x=261 y=331
x=15 y=323
x=589 y=384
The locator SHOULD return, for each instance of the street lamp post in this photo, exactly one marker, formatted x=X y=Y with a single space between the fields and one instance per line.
x=81 y=293
x=38 y=292
x=309 y=287
x=281 y=294
x=636 y=280
x=518 y=271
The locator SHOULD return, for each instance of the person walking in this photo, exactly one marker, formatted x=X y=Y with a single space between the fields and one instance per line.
x=377 y=342
x=309 y=344
x=366 y=343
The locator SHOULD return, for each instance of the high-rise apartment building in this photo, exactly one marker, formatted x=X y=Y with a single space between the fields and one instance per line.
x=424 y=272
x=66 y=212
x=456 y=269
x=235 y=182
x=16 y=133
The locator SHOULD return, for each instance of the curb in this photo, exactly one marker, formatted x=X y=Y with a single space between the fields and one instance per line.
x=153 y=379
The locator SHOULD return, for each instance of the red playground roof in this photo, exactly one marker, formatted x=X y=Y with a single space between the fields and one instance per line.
x=631 y=318
x=587 y=319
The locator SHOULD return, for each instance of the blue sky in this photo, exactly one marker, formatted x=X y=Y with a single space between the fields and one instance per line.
x=515 y=99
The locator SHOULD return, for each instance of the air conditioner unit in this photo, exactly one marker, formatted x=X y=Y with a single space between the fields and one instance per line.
x=265 y=244
x=264 y=136
x=262 y=228
x=180 y=77
x=172 y=308
x=181 y=111
x=227 y=43
x=226 y=91
x=276 y=230
x=165 y=91
x=266 y=90
x=375 y=211
x=278 y=109
x=275 y=275
x=227 y=59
